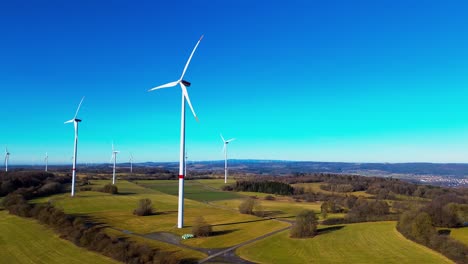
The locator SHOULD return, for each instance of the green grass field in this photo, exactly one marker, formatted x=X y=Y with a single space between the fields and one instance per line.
x=460 y=234
x=116 y=211
x=315 y=187
x=193 y=190
x=24 y=240
x=377 y=242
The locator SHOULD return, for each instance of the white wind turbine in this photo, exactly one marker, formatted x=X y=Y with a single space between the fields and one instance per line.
x=114 y=157
x=183 y=85
x=75 y=122
x=226 y=142
x=131 y=163
x=7 y=157
x=46 y=159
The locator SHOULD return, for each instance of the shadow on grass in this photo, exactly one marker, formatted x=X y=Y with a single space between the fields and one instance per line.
x=444 y=232
x=325 y=230
x=223 y=232
x=125 y=193
x=272 y=213
x=243 y=222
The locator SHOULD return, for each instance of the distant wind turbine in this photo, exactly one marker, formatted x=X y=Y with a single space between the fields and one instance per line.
x=46 y=159
x=131 y=163
x=114 y=157
x=226 y=142
x=183 y=85
x=75 y=122
x=7 y=157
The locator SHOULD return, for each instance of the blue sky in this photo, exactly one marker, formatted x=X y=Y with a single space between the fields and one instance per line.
x=358 y=81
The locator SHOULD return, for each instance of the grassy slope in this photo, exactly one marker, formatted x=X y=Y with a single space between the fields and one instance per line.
x=377 y=242
x=460 y=234
x=26 y=241
x=116 y=211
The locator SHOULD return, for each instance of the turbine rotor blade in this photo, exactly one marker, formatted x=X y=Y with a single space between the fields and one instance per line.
x=184 y=90
x=229 y=140
x=69 y=121
x=222 y=137
x=78 y=109
x=171 y=84
x=190 y=58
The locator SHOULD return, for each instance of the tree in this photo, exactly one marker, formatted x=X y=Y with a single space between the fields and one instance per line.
x=305 y=225
x=247 y=206
x=144 y=207
x=201 y=227
x=422 y=229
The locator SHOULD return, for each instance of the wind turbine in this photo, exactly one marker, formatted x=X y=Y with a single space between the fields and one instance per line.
x=226 y=142
x=75 y=122
x=114 y=157
x=183 y=85
x=131 y=163
x=7 y=157
x=46 y=159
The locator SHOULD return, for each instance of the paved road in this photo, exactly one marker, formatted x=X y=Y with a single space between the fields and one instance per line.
x=226 y=251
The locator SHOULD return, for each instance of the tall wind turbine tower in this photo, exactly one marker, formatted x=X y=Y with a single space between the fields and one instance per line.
x=75 y=122
x=46 y=159
x=183 y=85
x=131 y=163
x=226 y=142
x=7 y=157
x=114 y=157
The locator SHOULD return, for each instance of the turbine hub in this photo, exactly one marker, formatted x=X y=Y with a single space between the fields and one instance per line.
x=187 y=84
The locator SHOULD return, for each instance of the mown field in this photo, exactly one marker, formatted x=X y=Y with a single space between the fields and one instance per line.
x=193 y=189
x=460 y=234
x=376 y=242
x=315 y=187
x=229 y=226
x=26 y=241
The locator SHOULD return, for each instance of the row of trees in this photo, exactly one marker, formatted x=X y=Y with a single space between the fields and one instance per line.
x=273 y=187
x=31 y=183
x=417 y=225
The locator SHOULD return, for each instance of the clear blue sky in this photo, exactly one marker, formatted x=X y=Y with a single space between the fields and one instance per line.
x=364 y=81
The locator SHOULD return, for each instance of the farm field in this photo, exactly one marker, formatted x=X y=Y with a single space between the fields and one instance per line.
x=116 y=211
x=26 y=241
x=460 y=234
x=193 y=189
x=374 y=242
x=315 y=187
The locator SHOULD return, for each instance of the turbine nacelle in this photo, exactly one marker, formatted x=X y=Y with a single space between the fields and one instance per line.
x=184 y=82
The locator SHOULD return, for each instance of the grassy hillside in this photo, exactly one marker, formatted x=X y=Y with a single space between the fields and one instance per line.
x=460 y=234
x=26 y=241
x=377 y=242
x=229 y=226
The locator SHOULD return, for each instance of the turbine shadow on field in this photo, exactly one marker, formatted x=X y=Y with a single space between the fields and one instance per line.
x=223 y=232
x=126 y=193
x=325 y=230
x=243 y=222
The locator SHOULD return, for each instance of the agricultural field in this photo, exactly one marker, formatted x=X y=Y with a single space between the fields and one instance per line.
x=460 y=234
x=24 y=240
x=373 y=242
x=229 y=226
x=315 y=187
x=193 y=189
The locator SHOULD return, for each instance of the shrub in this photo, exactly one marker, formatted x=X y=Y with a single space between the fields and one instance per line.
x=305 y=225
x=201 y=227
x=110 y=188
x=144 y=207
x=269 y=198
x=247 y=206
